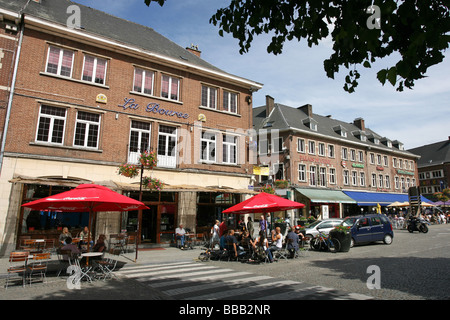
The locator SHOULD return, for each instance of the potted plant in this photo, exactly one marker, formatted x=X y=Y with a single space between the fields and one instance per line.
x=282 y=184
x=129 y=170
x=342 y=233
x=148 y=159
x=268 y=189
x=152 y=183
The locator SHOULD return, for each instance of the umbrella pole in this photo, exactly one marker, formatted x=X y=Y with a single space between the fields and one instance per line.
x=138 y=238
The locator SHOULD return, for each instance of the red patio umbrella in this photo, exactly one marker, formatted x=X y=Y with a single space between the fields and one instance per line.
x=87 y=198
x=263 y=203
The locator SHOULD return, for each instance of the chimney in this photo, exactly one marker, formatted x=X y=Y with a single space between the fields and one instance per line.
x=307 y=108
x=359 y=122
x=270 y=103
x=194 y=49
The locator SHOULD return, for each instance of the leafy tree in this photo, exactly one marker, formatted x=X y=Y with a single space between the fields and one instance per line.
x=363 y=31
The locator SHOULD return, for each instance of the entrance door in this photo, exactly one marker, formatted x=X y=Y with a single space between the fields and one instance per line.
x=149 y=224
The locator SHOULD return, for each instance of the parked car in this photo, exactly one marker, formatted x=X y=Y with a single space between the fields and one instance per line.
x=325 y=226
x=370 y=228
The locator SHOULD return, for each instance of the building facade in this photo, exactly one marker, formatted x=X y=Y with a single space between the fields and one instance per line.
x=434 y=167
x=78 y=101
x=334 y=167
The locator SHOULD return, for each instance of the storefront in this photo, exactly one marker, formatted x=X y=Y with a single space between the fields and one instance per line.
x=322 y=203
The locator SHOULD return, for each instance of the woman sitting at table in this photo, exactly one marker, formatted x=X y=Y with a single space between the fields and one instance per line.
x=261 y=243
x=84 y=236
x=64 y=235
x=100 y=246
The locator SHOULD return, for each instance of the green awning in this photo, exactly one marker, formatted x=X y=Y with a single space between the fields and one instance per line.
x=325 y=196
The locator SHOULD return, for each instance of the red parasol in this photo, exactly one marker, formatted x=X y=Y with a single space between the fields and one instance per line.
x=263 y=203
x=87 y=198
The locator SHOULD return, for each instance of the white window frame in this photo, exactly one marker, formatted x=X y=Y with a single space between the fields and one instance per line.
x=60 y=59
x=227 y=149
x=94 y=69
x=210 y=138
x=362 y=179
x=230 y=102
x=145 y=73
x=332 y=175
x=311 y=147
x=312 y=175
x=302 y=172
x=51 y=128
x=89 y=124
x=171 y=79
x=301 y=145
x=209 y=93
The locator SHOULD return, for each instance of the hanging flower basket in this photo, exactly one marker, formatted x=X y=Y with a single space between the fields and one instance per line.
x=148 y=159
x=281 y=184
x=152 y=183
x=129 y=170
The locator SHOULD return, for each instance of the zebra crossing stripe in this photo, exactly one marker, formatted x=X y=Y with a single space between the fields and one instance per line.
x=204 y=276
x=156 y=272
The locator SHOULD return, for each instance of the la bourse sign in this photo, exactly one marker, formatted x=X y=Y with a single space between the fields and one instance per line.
x=130 y=103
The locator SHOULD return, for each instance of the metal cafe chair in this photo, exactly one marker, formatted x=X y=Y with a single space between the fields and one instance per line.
x=17 y=265
x=39 y=265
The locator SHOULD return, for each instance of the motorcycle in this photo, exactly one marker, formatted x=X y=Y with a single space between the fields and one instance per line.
x=417 y=224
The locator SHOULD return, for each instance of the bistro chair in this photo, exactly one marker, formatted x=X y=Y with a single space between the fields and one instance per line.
x=130 y=243
x=64 y=259
x=17 y=265
x=39 y=265
x=107 y=265
x=49 y=245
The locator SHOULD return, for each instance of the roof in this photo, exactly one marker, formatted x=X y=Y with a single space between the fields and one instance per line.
x=95 y=22
x=284 y=117
x=433 y=154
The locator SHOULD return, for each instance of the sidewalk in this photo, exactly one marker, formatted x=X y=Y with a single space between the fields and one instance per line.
x=56 y=287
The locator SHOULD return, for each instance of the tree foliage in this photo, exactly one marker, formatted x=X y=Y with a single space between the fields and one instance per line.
x=362 y=31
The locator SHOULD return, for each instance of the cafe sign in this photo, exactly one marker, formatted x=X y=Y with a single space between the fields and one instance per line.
x=152 y=107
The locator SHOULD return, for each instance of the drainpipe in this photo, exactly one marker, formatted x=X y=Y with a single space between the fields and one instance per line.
x=11 y=94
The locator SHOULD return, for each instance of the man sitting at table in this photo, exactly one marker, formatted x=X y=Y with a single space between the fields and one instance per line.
x=292 y=242
x=180 y=235
x=232 y=243
x=277 y=240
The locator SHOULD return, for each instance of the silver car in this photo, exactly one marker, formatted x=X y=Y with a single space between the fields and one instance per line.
x=325 y=226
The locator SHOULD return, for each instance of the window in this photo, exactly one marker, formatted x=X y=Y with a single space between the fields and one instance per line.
x=332 y=175
x=380 y=181
x=378 y=159
x=229 y=149
x=352 y=155
x=170 y=87
x=209 y=97
x=312 y=175
x=346 y=177
x=374 y=180
x=59 y=61
x=331 y=151
x=372 y=158
x=385 y=161
x=361 y=156
x=51 y=124
x=396 y=183
x=143 y=81
x=312 y=147
x=323 y=177
x=302 y=172
x=263 y=147
x=87 y=129
x=354 y=178
x=277 y=145
x=387 y=182
x=139 y=140
x=229 y=101
x=344 y=153
x=167 y=146
x=321 y=149
x=208 y=145
x=362 y=179
x=94 y=69
x=301 y=145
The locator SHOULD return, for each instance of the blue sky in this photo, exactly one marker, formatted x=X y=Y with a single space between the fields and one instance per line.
x=296 y=77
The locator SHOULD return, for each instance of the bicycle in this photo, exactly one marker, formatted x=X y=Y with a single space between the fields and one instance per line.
x=326 y=243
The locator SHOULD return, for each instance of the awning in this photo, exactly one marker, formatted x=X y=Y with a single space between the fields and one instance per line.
x=374 y=198
x=325 y=196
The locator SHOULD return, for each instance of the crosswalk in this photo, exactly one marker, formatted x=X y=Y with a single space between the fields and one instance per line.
x=200 y=281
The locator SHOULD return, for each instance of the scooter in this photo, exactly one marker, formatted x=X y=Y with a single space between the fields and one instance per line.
x=417 y=224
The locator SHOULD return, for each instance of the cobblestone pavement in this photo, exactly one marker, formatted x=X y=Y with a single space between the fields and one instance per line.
x=415 y=266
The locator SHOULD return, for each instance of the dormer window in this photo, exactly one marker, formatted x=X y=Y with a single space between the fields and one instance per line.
x=397 y=144
x=386 y=142
x=340 y=131
x=373 y=139
x=360 y=135
x=310 y=123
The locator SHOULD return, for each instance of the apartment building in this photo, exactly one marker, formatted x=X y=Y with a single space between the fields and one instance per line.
x=333 y=166
x=78 y=101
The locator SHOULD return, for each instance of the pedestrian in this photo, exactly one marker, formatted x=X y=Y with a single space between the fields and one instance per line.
x=215 y=234
x=223 y=227
x=263 y=225
x=250 y=227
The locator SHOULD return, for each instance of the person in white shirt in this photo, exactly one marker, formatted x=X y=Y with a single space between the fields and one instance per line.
x=180 y=234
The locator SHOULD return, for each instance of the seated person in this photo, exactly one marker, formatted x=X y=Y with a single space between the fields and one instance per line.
x=180 y=234
x=263 y=243
x=64 y=235
x=232 y=243
x=84 y=236
x=277 y=240
x=222 y=242
x=70 y=246
x=100 y=246
x=292 y=242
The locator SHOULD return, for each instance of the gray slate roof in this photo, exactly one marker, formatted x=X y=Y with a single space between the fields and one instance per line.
x=105 y=25
x=433 y=154
x=284 y=117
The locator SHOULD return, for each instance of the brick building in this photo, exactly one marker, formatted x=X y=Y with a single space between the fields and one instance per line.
x=76 y=101
x=331 y=165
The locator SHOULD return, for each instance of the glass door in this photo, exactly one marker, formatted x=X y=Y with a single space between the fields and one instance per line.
x=167 y=146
